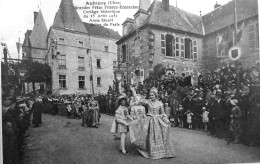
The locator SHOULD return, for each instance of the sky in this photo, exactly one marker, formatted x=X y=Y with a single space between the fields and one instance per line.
x=16 y=16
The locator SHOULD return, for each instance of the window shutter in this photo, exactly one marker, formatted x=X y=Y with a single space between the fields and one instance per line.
x=173 y=47
x=218 y=46
x=177 y=47
x=163 y=46
x=194 y=49
x=257 y=35
x=182 y=48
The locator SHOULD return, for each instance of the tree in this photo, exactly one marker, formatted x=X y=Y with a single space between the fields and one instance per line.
x=37 y=72
x=209 y=62
x=158 y=71
x=9 y=80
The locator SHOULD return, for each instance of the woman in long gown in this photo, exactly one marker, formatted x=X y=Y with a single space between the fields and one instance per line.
x=93 y=115
x=151 y=135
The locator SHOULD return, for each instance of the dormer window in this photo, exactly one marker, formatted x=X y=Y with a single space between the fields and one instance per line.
x=124 y=29
x=137 y=20
x=106 y=48
x=80 y=44
x=61 y=41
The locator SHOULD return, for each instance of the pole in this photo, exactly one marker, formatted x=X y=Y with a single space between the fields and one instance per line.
x=234 y=42
x=91 y=68
x=18 y=49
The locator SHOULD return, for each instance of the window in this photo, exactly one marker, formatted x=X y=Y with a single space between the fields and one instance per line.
x=62 y=61
x=124 y=29
x=81 y=82
x=219 y=45
x=98 y=81
x=80 y=44
x=177 y=46
x=106 y=48
x=81 y=64
x=163 y=51
x=61 y=41
x=123 y=56
x=188 y=48
x=142 y=73
x=114 y=64
x=137 y=20
x=24 y=54
x=137 y=72
x=182 y=48
x=170 y=45
x=137 y=46
x=151 y=36
x=62 y=81
x=251 y=33
x=98 y=63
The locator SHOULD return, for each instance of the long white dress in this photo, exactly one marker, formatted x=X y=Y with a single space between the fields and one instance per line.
x=151 y=135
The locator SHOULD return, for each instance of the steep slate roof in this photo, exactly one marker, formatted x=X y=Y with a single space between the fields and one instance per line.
x=68 y=18
x=39 y=33
x=26 y=42
x=101 y=31
x=142 y=11
x=223 y=16
x=175 y=18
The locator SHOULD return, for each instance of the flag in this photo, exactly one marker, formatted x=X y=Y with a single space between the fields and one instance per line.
x=239 y=33
x=224 y=42
x=18 y=46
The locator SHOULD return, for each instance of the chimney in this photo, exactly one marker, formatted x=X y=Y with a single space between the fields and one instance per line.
x=216 y=5
x=144 y=4
x=166 y=5
x=35 y=14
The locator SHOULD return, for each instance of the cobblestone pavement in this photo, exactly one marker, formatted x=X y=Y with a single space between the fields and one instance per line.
x=64 y=141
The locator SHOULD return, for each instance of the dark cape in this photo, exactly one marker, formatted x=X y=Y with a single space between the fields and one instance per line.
x=37 y=109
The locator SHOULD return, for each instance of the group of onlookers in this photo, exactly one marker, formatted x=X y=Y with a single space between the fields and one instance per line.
x=216 y=104
x=16 y=119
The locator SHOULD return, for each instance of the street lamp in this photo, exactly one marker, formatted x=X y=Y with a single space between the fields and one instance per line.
x=118 y=77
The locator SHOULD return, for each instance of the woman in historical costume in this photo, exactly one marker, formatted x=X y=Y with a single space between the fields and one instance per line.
x=121 y=125
x=93 y=115
x=151 y=135
x=236 y=117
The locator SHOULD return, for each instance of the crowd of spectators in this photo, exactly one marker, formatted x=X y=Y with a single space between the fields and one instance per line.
x=219 y=103
x=16 y=119
x=216 y=105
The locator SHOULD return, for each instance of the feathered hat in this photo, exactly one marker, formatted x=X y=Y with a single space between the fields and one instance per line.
x=234 y=101
x=122 y=97
x=154 y=90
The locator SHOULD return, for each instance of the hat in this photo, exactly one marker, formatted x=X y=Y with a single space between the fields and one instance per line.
x=23 y=105
x=121 y=97
x=10 y=106
x=219 y=92
x=153 y=89
x=234 y=101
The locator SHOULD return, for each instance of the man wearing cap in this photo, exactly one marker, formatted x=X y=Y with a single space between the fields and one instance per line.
x=235 y=124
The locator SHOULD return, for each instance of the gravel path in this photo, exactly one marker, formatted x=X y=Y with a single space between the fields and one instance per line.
x=64 y=141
